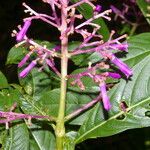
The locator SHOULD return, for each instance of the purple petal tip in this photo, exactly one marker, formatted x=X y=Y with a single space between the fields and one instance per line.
x=98 y=8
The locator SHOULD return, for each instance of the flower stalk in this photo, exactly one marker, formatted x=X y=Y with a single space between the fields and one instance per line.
x=60 y=127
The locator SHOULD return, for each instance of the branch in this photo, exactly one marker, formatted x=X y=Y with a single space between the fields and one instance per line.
x=98 y=48
x=95 y=17
x=38 y=16
x=83 y=108
x=11 y=116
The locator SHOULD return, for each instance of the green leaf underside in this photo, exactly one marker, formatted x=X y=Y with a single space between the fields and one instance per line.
x=43 y=136
x=135 y=94
x=36 y=137
x=35 y=83
x=143 y=5
x=18 y=138
x=69 y=140
x=48 y=104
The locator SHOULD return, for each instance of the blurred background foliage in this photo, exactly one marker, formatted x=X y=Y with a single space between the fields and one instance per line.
x=11 y=15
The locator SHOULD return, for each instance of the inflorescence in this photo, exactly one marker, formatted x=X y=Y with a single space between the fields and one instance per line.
x=88 y=45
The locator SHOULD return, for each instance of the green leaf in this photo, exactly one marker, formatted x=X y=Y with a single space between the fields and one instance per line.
x=84 y=59
x=73 y=45
x=69 y=140
x=3 y=81
x=135 y=96
x=48 y=104
x=87 y=12
x=138 y=48
x=8 y=97
x=33 y=88
x=16 y=54
x=18 y=138
x=43 y=136
x=35 y=83
x=47 y=43
x=38 y=136
x=3 y=136
x=143 y=5
x=33 y=145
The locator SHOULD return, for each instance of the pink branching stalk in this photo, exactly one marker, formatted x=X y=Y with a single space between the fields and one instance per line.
x=10 y=116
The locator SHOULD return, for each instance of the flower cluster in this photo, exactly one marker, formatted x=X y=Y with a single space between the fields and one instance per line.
x=45 y=56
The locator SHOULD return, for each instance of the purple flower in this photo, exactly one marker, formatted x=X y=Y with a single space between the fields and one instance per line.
x=114 y=75
x=27 y=69
x=122 y=66
x=57 y=48
x=24 y=60
x=121 y=47
x=98 y=8
x=23 y=31
x=105 y=97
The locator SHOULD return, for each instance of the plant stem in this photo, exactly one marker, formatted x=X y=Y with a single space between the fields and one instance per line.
x=60 y=127
x=133 y=29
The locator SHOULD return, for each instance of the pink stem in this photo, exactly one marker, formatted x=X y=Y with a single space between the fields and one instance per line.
x=10 y=116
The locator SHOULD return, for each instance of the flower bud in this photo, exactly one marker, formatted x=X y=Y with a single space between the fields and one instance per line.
x=98 y=8
x=105 y=98
x=25 y=72
x=23 y=31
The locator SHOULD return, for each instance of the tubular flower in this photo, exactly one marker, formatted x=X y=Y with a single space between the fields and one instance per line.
x=121 y=47
x=28 y=69
x=122 y=66
x=23 y=31
x=114 y=75
x=105 y=98
x=24 y=60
